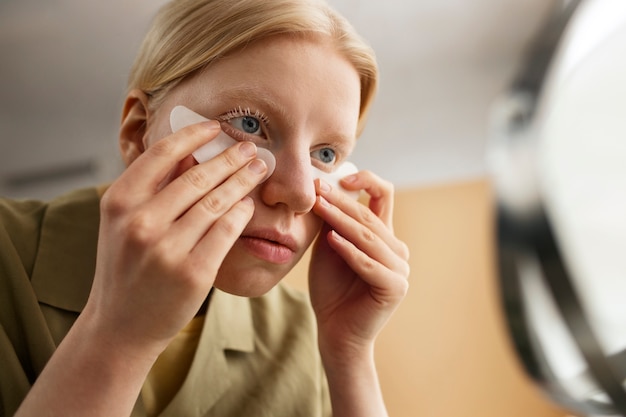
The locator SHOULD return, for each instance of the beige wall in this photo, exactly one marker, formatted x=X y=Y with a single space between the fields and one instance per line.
x=446 y=352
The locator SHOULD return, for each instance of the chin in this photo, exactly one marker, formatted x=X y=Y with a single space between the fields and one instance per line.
x=248 y=280
x=246 y=274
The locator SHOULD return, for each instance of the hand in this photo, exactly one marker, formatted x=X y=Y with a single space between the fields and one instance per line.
x=162 y=239
x=359 y=269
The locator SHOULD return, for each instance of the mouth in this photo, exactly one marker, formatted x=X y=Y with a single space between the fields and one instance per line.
x=270 y=245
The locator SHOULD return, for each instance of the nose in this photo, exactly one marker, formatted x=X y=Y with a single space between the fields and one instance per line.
x=291 y=184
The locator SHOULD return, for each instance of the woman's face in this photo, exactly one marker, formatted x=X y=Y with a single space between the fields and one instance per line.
x=298 y=98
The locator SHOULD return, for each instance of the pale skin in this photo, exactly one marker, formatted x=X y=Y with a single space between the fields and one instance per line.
x=172 y=229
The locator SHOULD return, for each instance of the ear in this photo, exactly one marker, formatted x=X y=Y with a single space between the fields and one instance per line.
x=133 y=126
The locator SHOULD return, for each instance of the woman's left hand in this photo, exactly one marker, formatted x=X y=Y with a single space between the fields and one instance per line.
x=359 y=268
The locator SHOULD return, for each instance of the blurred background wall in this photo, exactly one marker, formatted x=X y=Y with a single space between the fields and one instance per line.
x=443 y=63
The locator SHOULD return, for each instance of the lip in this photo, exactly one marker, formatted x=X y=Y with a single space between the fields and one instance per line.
x=270 y=245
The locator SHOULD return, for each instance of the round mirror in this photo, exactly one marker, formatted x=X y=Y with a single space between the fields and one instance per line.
x=558 y=161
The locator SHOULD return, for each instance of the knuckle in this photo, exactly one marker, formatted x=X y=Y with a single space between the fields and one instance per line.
x=405 y=253
x=368 y=264
x=366 y=216
x=368 y=235
x=197 y=178
x=164 y=147
x=242 y=181
x=161 y=251
x=212 y=203
x=228 y=226
x=403 y=287
x=141 y=229
x=405 y=269
x=112 y=204
x=401 y=249
x=388 y=187
x=244 y=210
x=233 y=222
x=230 y=160
x=187 y=279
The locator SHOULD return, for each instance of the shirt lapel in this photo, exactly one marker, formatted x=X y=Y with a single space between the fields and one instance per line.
x=228 y=326
x=66 y=257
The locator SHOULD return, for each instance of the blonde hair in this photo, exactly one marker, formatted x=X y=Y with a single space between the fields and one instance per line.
x=187 y=35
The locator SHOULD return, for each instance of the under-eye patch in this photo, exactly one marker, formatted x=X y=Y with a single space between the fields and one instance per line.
x=332 y=178
x=181 y=117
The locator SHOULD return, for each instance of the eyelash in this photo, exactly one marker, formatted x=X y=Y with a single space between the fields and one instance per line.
x=241 y=112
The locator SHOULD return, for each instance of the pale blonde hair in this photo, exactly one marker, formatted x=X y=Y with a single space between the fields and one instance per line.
x=188 y=35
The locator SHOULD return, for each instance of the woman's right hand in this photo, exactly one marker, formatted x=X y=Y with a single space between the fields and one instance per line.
x=161 y=244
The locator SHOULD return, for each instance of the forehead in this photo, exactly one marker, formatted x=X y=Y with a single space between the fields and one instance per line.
x=293 y=78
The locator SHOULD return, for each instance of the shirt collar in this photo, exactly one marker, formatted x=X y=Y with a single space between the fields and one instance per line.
x=229 y=319
x=66 y=256
x=66 y=260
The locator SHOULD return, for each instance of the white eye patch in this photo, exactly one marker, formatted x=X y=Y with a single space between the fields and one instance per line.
x=332 y=178
x=181 y=117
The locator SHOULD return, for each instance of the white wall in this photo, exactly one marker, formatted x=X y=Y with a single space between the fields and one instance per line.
x=64 y=66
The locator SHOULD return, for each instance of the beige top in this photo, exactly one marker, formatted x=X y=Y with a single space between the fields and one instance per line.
x=255 y=357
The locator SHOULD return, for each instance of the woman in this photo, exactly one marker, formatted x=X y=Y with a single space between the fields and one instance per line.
x=181 y=313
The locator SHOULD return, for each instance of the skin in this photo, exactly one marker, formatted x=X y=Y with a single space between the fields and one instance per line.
x=172 y=229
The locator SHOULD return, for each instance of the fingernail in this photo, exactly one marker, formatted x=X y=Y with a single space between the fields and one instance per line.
x=247 y=148
x=257 y=166
x=336 y=236
x=324 y=186
x=248 y=200
x=323 y=201
x=211 y=124
x=349 y=178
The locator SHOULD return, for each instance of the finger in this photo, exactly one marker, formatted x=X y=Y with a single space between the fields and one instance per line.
x=361 y=236
x=140 y=180
x=194 y=224
x=191 y=186
x=381 y=193
x=222 y=236
x=362 y=214
x=371 y=271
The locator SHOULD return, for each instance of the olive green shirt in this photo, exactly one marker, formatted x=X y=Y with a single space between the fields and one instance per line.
x=255 y=357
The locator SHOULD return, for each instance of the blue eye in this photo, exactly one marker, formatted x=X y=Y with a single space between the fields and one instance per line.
x=247 y=124
x=325 y=155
